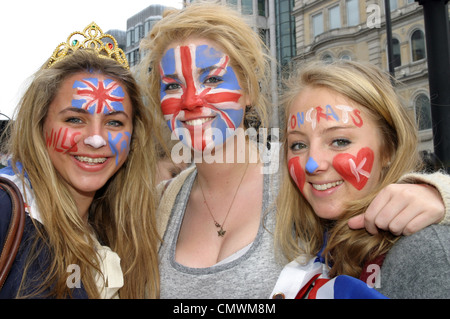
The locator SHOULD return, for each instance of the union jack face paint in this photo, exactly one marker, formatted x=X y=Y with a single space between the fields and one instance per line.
x=98 y=96
x=200 y=95
x=88 y=130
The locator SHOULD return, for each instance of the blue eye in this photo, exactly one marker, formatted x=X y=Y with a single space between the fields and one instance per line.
x=341 y=142
x=114 y=123
x=213 y=80
x=297 y=146
x=73 y=120
x=172 y=86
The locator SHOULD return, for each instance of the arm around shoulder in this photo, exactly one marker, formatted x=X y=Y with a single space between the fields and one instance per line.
x=438 y=180
x=418 y=266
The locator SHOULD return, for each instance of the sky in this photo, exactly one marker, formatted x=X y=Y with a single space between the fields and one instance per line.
x=31 y=30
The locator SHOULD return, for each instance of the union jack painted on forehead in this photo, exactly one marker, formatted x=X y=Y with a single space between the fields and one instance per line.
x=190 y=67
x=97 y=96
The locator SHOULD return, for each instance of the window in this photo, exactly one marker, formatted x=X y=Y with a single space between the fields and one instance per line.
x=147 y=27
x=393 y=4
x=247 y=6
x=317 y=21
x=327 y=58
x=334 y=16
x=423 y=112
x=262 y=8
x=137 y=33
x=352 y=12
x=232 y=2
x=418 y=45
x=129 y=37
x=397 y=59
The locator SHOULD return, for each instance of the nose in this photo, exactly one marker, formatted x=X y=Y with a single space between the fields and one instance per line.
x=311 y=165
x=318 y=160
x=96 y=141
x=191 y=99
x=94 y=135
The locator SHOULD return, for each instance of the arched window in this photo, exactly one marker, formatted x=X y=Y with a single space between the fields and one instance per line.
x=327 y=58
x=423 y=112
x=397 y=59
x=418 y=45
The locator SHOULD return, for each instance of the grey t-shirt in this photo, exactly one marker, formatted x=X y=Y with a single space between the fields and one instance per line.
x=252 y=274
x=418 y=266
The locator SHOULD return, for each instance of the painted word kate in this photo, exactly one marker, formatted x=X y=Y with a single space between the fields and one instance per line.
x=315 y=114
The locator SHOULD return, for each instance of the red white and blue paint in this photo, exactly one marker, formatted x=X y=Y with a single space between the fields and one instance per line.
x=200 y=95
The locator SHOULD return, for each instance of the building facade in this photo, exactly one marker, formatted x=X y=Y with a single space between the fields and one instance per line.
x=137 y=28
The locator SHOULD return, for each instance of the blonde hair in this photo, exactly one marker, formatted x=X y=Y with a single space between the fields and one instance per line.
x=222 y=25
x=347 y=249
x=122 y=213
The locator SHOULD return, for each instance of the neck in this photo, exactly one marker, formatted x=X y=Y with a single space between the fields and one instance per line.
x=221 y=173
x=83 y=202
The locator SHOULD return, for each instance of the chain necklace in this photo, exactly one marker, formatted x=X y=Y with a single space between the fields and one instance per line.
x=221 y=232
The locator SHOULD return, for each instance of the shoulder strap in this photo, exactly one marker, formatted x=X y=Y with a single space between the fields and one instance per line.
x=15 y=230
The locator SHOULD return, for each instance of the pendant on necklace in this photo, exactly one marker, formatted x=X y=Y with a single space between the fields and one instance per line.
x=217 y=224
x=221 y=232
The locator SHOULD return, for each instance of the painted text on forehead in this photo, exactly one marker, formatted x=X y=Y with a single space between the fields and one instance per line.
x=338 y=113
x=98 y=96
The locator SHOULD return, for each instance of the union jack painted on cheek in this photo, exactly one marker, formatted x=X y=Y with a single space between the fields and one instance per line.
x=190 y=69
x=97 y=96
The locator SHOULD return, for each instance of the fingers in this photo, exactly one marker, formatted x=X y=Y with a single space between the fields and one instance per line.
x=401 y=209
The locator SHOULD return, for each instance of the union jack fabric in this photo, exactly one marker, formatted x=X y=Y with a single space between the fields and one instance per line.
x=25 y=188
x=310 y=281
x=97 y=96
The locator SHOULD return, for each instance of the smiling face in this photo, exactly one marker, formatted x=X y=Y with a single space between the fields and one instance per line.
x=201 y=98
x=333 y=150
x=88 y=130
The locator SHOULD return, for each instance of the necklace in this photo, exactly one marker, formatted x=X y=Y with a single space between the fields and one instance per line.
x=221 y=232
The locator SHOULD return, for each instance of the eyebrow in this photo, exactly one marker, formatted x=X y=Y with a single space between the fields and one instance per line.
x=83 y=111
x=208 y=69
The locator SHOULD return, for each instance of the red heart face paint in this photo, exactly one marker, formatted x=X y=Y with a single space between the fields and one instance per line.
x=297 y=173
x=355 y=170
x=328 y=155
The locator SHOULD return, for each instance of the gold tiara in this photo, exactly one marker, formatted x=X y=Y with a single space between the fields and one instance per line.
x=93 y=38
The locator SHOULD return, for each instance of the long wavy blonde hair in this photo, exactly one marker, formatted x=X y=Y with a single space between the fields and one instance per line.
x=220 y=24
x=122 y=213
x=299 y=230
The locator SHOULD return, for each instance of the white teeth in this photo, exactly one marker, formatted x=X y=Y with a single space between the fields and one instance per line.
x=90 y=160
x=323 y=187
x=199 y=121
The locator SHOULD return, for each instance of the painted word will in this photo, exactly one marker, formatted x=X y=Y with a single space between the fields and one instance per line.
x=62 y=142
x=315 y=114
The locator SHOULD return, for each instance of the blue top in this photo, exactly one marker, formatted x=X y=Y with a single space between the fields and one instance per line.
x=12 y=283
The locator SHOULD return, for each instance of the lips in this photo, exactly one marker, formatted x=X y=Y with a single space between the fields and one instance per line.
x=90 y=160
x=324 y=187
x=198 y=121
